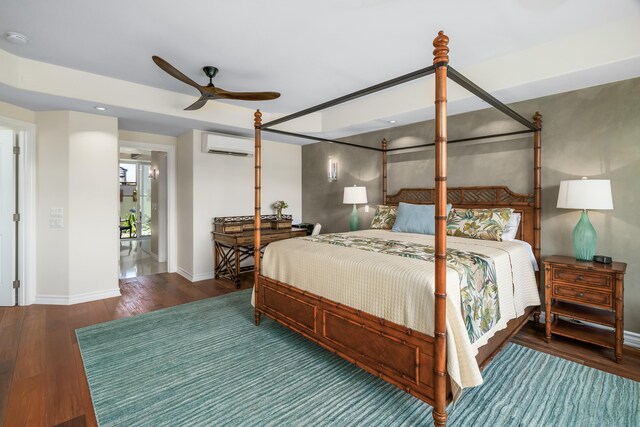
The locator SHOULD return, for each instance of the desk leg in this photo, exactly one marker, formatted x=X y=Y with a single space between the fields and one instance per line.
x=215 y=260
x=226 y=266
x=237 y=256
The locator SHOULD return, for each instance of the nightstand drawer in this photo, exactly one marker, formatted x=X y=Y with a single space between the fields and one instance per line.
x=582 y=295
x=580 y=278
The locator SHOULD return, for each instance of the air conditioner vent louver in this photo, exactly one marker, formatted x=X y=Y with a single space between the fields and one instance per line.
x=214 y=143
x=228 y=153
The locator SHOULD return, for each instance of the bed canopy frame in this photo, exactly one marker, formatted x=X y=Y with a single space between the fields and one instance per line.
x=311 y=315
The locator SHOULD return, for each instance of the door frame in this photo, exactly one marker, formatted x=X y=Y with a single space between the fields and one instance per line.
x=26 y=207
x=172 y=213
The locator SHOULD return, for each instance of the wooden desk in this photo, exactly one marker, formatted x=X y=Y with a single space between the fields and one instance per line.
x=231 y=249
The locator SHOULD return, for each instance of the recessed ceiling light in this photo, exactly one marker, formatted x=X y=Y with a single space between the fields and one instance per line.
x=99 y=108
x=16 y=38
x=393 y=121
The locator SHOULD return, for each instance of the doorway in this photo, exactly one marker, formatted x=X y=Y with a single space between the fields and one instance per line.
x=166 y=185
x=142 y=177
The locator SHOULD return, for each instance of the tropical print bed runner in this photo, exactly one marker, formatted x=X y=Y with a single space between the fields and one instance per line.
x=478 y=284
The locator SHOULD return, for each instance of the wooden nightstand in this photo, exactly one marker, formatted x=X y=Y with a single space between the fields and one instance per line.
x=587 y=291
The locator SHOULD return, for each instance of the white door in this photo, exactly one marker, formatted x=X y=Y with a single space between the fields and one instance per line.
x=7 y=209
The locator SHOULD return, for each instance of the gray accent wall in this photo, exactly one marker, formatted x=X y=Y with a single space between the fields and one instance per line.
x=593 y=132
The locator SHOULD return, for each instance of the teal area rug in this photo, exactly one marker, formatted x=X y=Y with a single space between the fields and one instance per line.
x=206 y=364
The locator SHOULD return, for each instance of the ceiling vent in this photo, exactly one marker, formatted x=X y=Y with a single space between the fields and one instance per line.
x=215 y=143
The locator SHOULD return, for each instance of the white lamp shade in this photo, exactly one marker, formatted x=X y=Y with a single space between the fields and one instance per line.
x=585 y=194
x=354 y=195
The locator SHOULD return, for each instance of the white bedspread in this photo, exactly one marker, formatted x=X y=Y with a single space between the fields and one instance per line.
x=401 y=289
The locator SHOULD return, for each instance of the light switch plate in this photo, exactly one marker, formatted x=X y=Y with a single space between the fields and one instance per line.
x=56 y=218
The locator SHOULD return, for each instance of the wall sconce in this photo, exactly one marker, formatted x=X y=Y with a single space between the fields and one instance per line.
x=153 y=173
x=333 y=169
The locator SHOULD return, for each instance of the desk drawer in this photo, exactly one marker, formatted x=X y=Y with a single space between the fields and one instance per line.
x=586 y=279
x=582 y=295
x=264 y=239
x=247 y=241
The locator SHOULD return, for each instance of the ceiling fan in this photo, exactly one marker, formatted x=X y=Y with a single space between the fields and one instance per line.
x=209 y=91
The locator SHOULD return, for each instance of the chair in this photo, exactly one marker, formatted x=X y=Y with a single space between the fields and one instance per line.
x=125 y=225
x=316 y=229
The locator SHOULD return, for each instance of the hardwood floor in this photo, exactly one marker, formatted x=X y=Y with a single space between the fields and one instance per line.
x=42 y=381
x=586 y=354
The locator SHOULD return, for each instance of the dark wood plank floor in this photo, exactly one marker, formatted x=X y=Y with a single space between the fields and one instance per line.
x=42 y=381
x=586 y=354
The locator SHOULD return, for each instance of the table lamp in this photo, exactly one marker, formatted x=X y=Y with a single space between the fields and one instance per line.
x=585 y=194
x=354 y=195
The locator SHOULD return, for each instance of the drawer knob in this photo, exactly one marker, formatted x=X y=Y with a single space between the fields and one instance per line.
x=581 y=277
x=581 y=294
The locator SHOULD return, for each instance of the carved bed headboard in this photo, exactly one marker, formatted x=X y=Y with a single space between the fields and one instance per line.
x=476 y=197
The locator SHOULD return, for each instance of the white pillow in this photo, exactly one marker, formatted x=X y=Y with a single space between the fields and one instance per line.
x=511 y=227
x=534 y=263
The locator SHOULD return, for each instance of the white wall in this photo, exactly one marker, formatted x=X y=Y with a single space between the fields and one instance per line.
x=224 y=186
x=77 y=160
x=184 y=200
x=147 y=138
x=93 y=203
x=52 y=164
x=17 y=113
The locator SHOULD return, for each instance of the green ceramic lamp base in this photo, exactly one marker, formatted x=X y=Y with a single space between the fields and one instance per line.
x=584 y=238
x=354 y=220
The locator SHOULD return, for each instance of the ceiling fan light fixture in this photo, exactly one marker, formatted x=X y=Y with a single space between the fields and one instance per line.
x=16 y=38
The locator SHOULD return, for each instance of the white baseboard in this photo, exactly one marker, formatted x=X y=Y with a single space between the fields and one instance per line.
x=77 y=298
x=631 y=339
x=195 y=277
x=51 y=300
x=184 y=273
x=203 y=276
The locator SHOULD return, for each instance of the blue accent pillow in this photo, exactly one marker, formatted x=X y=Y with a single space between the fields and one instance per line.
x=416 y=218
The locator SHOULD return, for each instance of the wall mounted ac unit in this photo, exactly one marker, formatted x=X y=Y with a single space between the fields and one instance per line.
x=216 y=143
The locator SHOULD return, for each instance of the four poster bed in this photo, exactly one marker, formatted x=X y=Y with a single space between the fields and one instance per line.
x=408 y=348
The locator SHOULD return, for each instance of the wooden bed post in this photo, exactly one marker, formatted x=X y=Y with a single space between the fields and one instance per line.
x=441 y=61
x=384 y=171
x=537 y=194
x=256 y=216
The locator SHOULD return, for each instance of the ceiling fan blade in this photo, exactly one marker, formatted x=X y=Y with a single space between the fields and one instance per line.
x=199 y=103
x=246 y=96
x=174 y=72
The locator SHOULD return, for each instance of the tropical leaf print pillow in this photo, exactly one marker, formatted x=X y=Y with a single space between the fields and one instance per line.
x=384 y=217
x=483 y=224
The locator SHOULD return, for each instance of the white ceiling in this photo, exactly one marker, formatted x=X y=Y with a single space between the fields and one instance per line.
x=310 y=51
